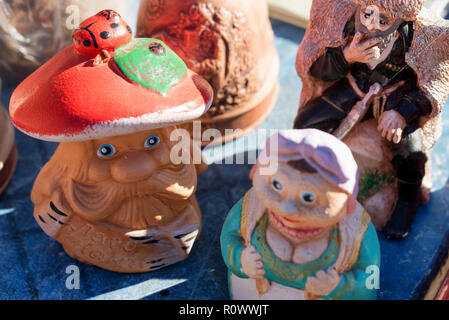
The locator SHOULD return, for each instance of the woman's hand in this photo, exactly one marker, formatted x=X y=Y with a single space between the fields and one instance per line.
x=252 y=264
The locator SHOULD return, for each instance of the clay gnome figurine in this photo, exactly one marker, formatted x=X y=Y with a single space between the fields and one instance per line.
x=229 y=43
x=299 y=233
x=8 y=151
x=111 y=195
x=376 y=72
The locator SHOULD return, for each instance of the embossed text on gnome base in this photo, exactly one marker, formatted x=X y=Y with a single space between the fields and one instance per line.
x=187 y=147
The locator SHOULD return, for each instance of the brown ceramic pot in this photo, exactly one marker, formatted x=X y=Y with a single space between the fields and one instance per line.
x=229 y=43
x=8 y=152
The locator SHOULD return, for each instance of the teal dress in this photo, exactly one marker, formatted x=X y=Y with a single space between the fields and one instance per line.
x=353 y=284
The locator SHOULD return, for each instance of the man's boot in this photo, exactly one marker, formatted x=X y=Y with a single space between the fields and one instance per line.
x=409 y=200
x=410 y=173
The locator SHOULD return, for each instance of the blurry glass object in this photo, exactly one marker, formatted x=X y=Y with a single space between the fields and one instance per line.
x=291 y=11
x=32 y=31
x=440 y=7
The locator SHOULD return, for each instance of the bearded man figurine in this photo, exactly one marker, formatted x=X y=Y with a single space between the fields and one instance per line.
x=392 y=57
x=112 y=194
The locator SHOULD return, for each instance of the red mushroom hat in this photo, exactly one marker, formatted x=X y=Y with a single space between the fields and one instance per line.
x=106 y=84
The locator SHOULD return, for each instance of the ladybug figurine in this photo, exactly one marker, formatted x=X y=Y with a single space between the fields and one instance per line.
x=104 y=31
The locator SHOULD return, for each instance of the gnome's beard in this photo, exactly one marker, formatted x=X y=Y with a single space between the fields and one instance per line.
x=386 y=36
x=132 y=205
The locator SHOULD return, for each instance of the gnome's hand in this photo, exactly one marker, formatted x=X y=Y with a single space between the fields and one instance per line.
x=391 y=126
x=363 y=51
x=52 y=215
x=323 y=283
x=252 y=264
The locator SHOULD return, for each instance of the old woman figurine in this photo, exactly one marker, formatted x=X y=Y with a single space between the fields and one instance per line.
x=299 y=233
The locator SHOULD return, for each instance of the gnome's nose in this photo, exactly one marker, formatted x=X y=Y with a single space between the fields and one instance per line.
x=289 y=207
x=134 y=166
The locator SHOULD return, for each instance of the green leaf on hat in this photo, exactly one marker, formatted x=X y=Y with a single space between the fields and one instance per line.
x=151 y=64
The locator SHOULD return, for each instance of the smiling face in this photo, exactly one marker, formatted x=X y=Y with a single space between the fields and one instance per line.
x=300 y=202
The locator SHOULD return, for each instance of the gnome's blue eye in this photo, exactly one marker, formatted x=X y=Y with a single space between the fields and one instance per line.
x=152 y=141
x=308 y=198
x=277 y=185
x=106 y=151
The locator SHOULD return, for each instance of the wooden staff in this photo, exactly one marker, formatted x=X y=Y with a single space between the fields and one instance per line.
x=358 y=112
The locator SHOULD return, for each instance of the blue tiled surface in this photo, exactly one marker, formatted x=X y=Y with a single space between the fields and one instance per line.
x=33 y=266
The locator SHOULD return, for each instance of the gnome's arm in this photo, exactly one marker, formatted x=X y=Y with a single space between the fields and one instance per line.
x=331 y=66
x=51 y=209
x=232 y=243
